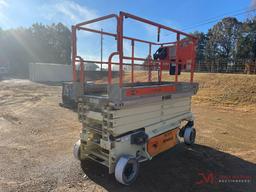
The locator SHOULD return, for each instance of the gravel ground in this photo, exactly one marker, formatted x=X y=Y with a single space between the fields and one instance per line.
x=36 y=139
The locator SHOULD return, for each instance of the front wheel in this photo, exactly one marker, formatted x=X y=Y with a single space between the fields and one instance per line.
x=189 y=136
x=126 y=170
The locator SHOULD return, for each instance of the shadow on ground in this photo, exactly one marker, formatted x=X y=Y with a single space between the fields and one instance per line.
x=178 y=170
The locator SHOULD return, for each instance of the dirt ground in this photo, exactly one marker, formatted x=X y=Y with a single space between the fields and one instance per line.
x=37 y=136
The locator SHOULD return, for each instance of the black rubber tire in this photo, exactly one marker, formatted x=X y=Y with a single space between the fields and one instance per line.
x=127 y=169
x=189 y=136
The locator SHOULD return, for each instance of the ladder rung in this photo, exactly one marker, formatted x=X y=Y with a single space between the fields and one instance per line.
x=98 y=130
x=94 y=158
x=99 y=155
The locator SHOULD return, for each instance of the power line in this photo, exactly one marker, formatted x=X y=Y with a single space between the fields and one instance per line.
x=212 y=21
x=215 y=19
x=219 y=16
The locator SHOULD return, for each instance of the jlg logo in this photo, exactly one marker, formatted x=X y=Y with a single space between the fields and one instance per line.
x=168 y=138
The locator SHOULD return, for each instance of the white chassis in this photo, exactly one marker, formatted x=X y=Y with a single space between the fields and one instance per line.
x=107 y=132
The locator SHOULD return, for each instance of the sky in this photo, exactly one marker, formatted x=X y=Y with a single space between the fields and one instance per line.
x=189 y=15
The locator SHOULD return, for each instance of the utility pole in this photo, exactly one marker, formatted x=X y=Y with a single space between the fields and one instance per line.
x=101 y=49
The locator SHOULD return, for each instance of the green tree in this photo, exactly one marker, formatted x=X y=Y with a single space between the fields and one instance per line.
x=39 y=43
x=247 y=40
x=222 y=42
x=200 y=51
x=52 y=44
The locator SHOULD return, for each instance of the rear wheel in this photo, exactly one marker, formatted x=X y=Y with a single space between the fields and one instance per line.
x=126 y=170
x=76 y=150
x=189 y=136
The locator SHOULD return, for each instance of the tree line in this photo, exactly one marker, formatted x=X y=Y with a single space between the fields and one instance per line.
x=228 y=46
x=38 y=43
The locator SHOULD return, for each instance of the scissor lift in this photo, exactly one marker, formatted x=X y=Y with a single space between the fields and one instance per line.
x=125 y=123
